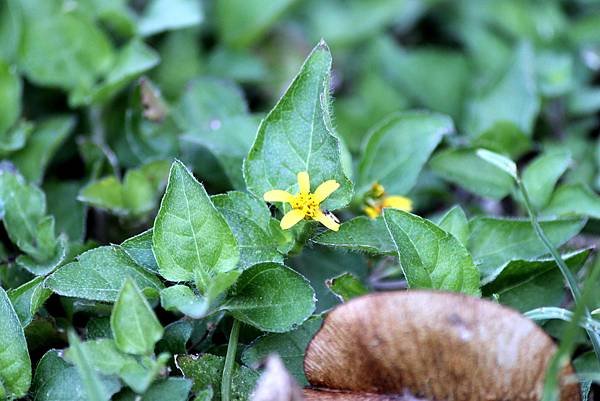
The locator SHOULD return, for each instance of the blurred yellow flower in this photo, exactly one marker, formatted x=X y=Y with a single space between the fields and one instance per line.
x=377 y=200
x=305 y=204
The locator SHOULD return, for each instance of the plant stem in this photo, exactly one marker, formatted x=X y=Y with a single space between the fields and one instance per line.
x=230 y=361
x=564 y=269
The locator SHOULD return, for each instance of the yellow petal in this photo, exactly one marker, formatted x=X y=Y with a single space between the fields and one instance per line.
x=398 y=202
x=291 y=218
x=325 y=189
x=326 y=221
x=277 y=195
x=371 y=212
x=303 y=182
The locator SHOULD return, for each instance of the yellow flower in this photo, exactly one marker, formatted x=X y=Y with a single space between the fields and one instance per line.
x=377 y=200
x=305 y=204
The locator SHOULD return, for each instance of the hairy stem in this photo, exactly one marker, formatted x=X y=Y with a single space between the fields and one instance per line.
x=230 y=361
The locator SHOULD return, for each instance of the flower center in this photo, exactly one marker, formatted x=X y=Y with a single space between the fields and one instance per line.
x=307 y=203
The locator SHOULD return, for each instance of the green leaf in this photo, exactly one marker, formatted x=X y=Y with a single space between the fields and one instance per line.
x=172 y=389
x=206 y=372
x=99 y=274
x=93 y=385
x=429 y=256
x=493 y=105
x=176 y=336
x=28 y=298
x=397 y=149
x=297 y=136
x=42 y=144
x=15 y=365
x=182 y=298
x=56 y=380
x=574 y=199
x=496 y=241
x=289 y=346
x=11 y=29
x=359 y=234
x=271 y=297
x=504 y=138
x=15 y=138
x=548 y=313
x=540 y=176
x=139 y=248
x=133 y=322
x=455 y=222
x=56 y=52
x=250 y=221
x=346 y=286
x=164 y=15
x=11 y=89
x=463 y=167
x=68 y=212
x=241 y=24
x=190 y=236
x=498 y=160
x=136 y=196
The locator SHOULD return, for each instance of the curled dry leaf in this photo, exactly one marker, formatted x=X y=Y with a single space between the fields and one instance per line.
x=421 y=345
x=276 y=383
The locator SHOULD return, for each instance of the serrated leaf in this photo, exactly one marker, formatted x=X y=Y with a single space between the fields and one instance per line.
x=495 y=241
x=133 y=322
x=463 y=167
x=573 y=199
x=15 y=365
x=163 y=15
x=182 y=298
x=289 y=346
x=540 y=176
x=206 y=372
x=250 y=221
x=429 y=256
x=397 y=149
x=190 y=236
x=139 y=248
x=346 y=286
x=99 y=274
x=297 y=136
x=28 y=298
x=359 y=234
x=271 y=297
x=455 y=222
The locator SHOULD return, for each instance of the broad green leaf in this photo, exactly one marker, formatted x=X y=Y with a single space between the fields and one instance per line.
x=91 y=381
x=176 y=337
x=463 y=167
x=241 y=24
x=540 y=176
x=182 y=298
x=43 y=142
x=360 y=234
x=250 y=221
x=498 y=160
x=397 y=149
x=289 y=346
x=297 y=136
x=136 y=196
x=518 y=84
x=133 y=322
x=11 y=89
x=172 y=389
x=346 y=286
x=28 y=298
x=46 y=239
x=429 y=256
x=11 y=29
x=574 y=199
x=56 y=380
x=15 y=365
x=99 y=274
x=271 y=297
x=555 y=73
x=319 y=263
x=504 y=138
x=15 y=138
x=496 y=241
x=139 y=248
x=56 y=51
x=206 y=371
x=190 y=236
x=455 y=222
x=164 y=15
x=68 y=212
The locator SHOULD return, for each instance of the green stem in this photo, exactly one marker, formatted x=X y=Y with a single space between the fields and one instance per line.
x=230 y=361
x=564 y=269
